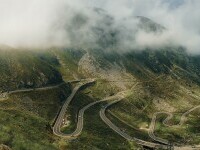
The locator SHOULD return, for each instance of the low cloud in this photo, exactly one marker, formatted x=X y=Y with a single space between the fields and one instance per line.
x=66 y=23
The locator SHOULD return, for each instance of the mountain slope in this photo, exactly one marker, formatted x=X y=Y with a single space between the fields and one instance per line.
x=164 y=79
x=23 y=68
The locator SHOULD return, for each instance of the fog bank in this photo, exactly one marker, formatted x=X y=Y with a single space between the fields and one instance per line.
x=65 y=23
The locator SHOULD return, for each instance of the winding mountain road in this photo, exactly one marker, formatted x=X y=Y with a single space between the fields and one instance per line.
x=182 y=119
x=59 y=121
x=123 y=134
x=79 y=128
x=36 y=89
x=82 y=111
x=165 y=122
x=5 y=95
x=41 y=88
x=152 y=128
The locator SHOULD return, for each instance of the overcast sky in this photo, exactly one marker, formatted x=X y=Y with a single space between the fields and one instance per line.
x=43 y=23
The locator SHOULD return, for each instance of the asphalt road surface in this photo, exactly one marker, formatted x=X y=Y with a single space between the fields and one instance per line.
x=165 y=122
x=182 y=119
x=152 y=128
x=59 y=121
x=42 y=88
x=123 y=134
x=6 y=94
x=81 y=114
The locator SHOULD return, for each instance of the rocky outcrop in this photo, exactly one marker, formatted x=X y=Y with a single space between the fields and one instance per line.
x=114 y=73
x=4 y=147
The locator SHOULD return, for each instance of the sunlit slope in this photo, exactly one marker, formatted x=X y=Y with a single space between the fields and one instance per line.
x=22 y=69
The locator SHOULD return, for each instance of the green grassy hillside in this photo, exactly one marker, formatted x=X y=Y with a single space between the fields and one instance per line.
x=165 y=79
x=26 y=118
x=23 y=69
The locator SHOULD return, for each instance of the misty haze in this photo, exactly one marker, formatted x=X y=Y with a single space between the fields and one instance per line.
x=99 y=75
